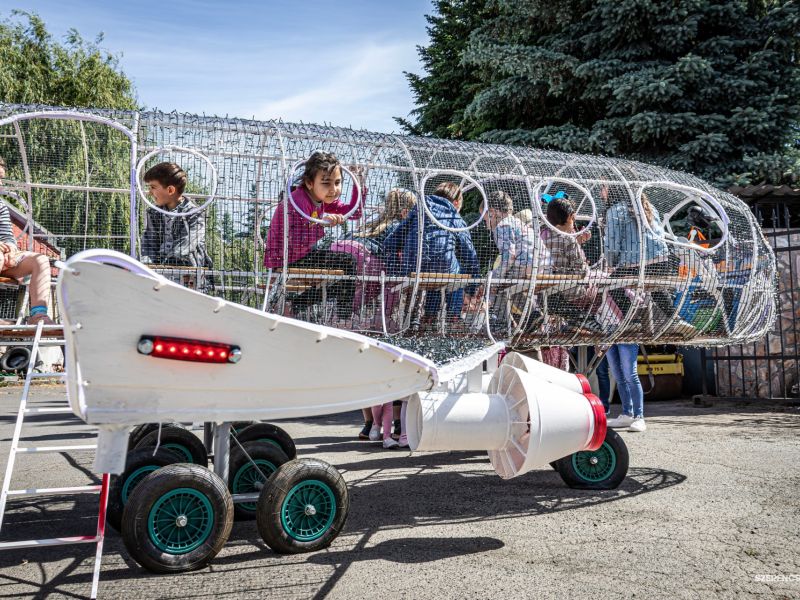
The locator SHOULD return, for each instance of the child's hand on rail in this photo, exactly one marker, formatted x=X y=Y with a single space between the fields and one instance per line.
x=333 y=219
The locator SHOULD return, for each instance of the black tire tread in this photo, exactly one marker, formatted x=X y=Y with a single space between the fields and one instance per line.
x=178 y=435
x=135 y=459
x=134 y=521
x=238 y=459
x=278 y=486
x=572 y=479
x=138 y=432
x=262 y=431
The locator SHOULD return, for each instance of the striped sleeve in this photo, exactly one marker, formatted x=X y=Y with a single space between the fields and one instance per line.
x=6 y=230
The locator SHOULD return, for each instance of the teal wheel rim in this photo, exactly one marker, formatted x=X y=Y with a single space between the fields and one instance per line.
x=248 y=479
x=183 y=451
x=308 y=510
x=595 y=465
x=135 y=479
x=180 y=521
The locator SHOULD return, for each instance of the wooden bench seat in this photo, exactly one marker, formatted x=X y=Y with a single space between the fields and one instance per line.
x=28 y=331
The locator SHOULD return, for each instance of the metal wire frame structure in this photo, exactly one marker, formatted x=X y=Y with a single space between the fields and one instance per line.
x=668 y=259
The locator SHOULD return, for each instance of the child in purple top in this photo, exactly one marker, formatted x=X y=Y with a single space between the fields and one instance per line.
x=317 y=196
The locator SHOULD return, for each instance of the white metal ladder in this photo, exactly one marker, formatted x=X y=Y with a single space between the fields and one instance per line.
x=7 y=493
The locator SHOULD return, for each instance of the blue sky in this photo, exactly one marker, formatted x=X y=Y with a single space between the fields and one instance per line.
x=334 y=62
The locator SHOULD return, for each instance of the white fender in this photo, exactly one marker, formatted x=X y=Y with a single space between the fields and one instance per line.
x=287 y=368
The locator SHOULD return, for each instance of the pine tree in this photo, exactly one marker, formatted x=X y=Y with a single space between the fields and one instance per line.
x=449 y=86
x=706 y=86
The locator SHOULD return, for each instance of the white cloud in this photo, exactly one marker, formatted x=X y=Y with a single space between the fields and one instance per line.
x=362 y=86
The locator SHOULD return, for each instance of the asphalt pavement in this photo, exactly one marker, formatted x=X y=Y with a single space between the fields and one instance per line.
x=710 y=508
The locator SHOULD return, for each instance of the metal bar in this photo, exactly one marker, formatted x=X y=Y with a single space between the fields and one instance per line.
x=79 y=539
x=12 y=453
x=222 y=432
x=101 y=533
x=83 y=489
x=42 y=449
x=132 y=208
x=77 y=188
x=252 y=497
x=33 y=411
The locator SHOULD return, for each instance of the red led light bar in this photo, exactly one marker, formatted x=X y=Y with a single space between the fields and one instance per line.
x=190 y=350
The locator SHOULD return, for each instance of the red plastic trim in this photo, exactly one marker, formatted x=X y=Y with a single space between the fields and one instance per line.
x=600 y=425
x=101 y=515
x=587 y=389
x=501 y=355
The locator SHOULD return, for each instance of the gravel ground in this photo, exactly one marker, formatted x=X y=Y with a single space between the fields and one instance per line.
x=710 y=508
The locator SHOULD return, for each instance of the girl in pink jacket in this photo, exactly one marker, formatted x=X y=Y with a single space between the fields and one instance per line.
x=317 y=196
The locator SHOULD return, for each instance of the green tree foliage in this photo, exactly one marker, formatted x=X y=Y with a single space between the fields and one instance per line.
x=706 y=86
x=449 y=86
x=35 y=69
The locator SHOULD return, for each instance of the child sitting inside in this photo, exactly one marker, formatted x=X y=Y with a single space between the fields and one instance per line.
x=443 y=251
x=172 y=239
x=366 y=247
x=317 y=195
x=568 y=259
x=18 y=264
x=515 y=241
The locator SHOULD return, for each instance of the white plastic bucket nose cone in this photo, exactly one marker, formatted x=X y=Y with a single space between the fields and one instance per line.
x=556 y=421
x=572 y=381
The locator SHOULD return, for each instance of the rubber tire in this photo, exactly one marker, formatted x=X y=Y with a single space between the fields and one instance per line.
x=238 y=426
x=135 y=460
x=613 y=443
x=181 y=437
x=263 y=432
x=135 y=527
x=238 y=460
x=138 y=432
x=270 y=501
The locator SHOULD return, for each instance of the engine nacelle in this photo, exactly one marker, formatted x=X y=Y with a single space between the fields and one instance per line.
x=530 y=415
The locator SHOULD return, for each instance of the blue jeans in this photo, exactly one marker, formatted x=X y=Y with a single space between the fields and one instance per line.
x=622 y=361
x=603 y=380
x=454 y=300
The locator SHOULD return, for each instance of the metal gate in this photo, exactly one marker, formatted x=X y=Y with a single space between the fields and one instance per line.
x=769 y=368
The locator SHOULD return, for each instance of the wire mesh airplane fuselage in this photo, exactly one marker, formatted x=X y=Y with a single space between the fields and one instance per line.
x=543 y=248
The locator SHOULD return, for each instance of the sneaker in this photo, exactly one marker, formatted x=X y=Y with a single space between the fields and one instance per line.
x=403 y=441
x=390 y=444
x=638 y=425
x=375 y=433
x=364 y=433
x=621 y=422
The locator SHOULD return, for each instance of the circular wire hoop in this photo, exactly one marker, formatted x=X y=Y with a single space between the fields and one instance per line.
x=537 y=204
x=463 y=176
x=140 y=188
x=703 y=199
x=346 y=216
